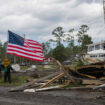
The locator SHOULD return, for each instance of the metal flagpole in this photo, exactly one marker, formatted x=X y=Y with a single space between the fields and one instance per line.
x=104 y=9
x=6 y=46
x=24 y=36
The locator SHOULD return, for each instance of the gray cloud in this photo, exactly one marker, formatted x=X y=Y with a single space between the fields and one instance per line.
x=37 y=18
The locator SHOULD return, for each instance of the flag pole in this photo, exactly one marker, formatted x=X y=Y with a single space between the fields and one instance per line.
x=24 y=39
x=6 y=46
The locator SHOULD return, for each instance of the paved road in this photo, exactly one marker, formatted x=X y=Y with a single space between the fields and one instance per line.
x=61 y=97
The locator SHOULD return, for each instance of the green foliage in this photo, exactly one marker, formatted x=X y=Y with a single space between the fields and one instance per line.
x=83 y=38
x=70 y=38
x=46 y=48
x=59 y=53
x=86 y=40
x=58 y=33
x=79 y=63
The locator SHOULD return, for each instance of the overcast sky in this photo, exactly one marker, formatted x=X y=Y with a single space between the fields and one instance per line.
x=37 y=18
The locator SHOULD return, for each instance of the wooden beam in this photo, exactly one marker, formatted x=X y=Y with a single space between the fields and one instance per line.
x=85 y=75
x=20 y=88
x=52 y=80
x=89 y=76
x=92 y=60
x=87 y=66
x=92 y=82
x=65 y=71
x=67 y=83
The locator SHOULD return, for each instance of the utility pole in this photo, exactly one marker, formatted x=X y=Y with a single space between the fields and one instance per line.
x=104 y=9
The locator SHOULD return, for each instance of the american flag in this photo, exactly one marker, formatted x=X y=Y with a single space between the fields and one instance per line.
x=26 y=48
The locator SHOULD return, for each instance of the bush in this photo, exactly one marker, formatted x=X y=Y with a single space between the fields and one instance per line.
x=80 y=63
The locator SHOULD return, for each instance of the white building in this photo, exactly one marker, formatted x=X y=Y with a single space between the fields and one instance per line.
x=96 y=51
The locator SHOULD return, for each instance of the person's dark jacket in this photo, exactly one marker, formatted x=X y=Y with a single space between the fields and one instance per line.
x=9 y=68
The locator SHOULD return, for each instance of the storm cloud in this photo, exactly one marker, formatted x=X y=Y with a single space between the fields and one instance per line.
x=37 y=18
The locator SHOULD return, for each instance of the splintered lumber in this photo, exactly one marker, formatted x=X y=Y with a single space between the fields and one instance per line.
x=42 y=89
x=20 y=88
x=80 y=88
x=102 y=78
x=91 y=82
x=92 y=60
x=65 y=71
x=92 y=70
x=88 y=66
x=67 y=83
x=97 y=87
x=30 y=90
x=52 y=80
x=89 y=76
x=47 y=88
x=77 y=75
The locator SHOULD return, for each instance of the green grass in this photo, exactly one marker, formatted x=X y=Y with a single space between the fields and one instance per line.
x=41 y=67
x=16 y=80
x=24 y=67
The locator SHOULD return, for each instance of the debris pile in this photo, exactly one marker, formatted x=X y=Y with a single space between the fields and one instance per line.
x=90 y=75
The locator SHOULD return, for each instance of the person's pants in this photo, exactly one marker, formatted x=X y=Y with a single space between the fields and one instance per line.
x=7 y=76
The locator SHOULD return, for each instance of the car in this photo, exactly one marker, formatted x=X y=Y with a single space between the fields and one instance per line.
x=67 y=62
x=23 y=64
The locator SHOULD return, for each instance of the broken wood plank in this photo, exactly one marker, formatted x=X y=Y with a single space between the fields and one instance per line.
x=87 y=66
x=92 y=82
x=97 y=87
x=102 y=78
x=20 y=88
x=67 y=83
x=89 y=76
x=92 y=60
x=65 y=71
x=80 y=74
x=90 y=86
x=29 y=90
x=80 y=88
x=47 y=88
x=42 y=89
x=52 y=80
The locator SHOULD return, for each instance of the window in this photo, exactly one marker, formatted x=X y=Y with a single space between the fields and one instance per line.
x=93 y=56
x=104 y=46
x=97 y=47
x=102 y=55
x=91 y=48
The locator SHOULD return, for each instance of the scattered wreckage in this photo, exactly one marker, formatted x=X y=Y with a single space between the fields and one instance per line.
x=90 y=75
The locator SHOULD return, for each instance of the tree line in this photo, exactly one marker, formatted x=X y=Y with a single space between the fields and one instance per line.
x=68 y=44
x=64 y=46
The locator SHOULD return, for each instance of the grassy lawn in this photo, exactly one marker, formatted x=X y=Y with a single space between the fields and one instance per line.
x=16 y=80
x=42 y=67
x=24 y=67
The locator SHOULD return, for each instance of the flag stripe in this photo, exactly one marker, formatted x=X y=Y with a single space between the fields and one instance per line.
x=27 y=57
x=32 y=41
x=31 y=44
x=25 y=53
x=26 y=48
